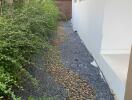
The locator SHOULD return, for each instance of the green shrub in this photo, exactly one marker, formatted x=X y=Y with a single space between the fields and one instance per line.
x=5 y=84
x=22 y=35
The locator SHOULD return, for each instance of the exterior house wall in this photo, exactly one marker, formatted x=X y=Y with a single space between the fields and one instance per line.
x=65 y=7
x=105 y=27
x=87 y=17
x=117 y=26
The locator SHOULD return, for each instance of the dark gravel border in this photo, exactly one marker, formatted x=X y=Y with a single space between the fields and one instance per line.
x=76 y=57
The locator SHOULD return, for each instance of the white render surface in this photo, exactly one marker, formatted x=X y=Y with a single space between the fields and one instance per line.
x=118 y=63
x=117 y=26
x=105 y=26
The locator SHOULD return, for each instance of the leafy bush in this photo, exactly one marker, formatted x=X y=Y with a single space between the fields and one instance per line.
x=5 y=80
x=22 y=35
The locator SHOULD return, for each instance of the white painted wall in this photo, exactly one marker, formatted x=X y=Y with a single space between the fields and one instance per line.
x=105 y=26
x=87 y=16
x=117 y=26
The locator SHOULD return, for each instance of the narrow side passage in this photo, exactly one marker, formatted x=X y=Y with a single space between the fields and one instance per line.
x=76 y=57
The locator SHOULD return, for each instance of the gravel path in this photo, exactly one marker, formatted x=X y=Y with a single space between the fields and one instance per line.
x=73 y=76
x=47 y=85
x=76 y=57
